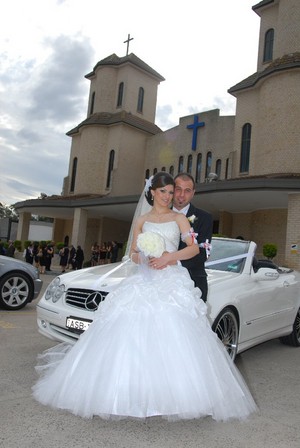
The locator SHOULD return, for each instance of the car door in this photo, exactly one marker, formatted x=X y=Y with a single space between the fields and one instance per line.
x=267 y=302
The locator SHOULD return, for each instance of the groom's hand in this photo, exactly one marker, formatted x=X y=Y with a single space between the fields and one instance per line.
x=161 y=262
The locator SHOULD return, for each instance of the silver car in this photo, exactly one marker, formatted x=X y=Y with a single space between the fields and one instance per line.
x=19 y=283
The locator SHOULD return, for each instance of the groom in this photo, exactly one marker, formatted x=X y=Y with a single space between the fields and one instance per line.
x=202 y=223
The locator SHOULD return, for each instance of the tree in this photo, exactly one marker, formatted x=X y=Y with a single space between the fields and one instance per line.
x=8 y=211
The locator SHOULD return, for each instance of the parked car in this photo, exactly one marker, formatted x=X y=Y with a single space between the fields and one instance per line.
x=250 y=301
x=19 y=283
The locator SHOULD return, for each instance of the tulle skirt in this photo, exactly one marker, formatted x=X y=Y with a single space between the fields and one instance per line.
x=150 y=351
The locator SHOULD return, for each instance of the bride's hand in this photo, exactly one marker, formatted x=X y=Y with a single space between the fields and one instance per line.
x=161 y=262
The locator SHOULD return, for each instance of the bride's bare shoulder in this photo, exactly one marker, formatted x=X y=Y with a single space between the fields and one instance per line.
x=141 y=219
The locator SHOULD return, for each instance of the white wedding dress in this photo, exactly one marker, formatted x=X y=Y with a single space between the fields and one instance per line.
x=150 y=351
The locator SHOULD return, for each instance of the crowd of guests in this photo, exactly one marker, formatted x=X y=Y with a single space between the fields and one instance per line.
x=104 y=253
x=71 y=258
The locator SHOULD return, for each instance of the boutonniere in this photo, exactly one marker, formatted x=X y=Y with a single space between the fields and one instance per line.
x=192 y=219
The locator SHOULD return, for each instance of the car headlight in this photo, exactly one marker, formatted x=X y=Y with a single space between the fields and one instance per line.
x=55 y=290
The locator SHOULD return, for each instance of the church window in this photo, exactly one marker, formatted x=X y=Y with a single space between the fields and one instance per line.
x=92 y=103
x=140 y=103
x=268 y=46
x=110 y=168
x=171 y=170
x=180 y=164
x=245 y=148
x=147 y=175
x=189 y=164
x=73 y=178
x=120 y=94
x=155 y=171
x=198 y=167
x=227 y=168
x=208 y=164
x=163 y=168
x=218 y=167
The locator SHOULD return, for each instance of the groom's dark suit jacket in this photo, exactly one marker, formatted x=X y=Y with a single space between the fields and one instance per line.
x=203 y=225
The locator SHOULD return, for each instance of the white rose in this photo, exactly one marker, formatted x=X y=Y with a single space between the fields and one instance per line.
x=151 y=244
x=192 y=219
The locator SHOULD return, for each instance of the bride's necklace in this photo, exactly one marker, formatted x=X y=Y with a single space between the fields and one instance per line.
x=160 y=216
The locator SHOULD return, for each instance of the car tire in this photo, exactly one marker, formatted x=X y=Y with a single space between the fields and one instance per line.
x=16 y=290
x=226 y=326
x=293 y=338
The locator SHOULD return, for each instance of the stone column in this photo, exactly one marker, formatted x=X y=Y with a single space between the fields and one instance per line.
x=292 y=250
x=23 y=226
x=79 y=227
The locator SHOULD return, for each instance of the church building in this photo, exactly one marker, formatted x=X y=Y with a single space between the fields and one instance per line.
x=246 y=166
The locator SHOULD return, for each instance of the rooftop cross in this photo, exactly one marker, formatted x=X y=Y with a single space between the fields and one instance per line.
x=195 y=127
x=127 y=41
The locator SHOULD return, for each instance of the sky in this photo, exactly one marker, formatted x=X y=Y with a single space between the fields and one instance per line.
x=201 y=48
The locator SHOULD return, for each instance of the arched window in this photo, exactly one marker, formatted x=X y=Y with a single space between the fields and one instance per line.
x=120 y=94
x=218 y=167
x=92 y=103
x=180 y=164
x=227 y=169
x=140 y=103
x=110 y=168
x=155 y=171
x=208 y=164
x=198 y=168
x=171 y=170
x=163 y=168
x=73 y=179
x=245 y=148
x=189 y=164
x=268 y=47
x=147 y=175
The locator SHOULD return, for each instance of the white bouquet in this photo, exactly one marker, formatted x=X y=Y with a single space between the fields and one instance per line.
x=151 y=244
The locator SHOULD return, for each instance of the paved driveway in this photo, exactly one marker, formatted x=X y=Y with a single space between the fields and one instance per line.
x=271 y=370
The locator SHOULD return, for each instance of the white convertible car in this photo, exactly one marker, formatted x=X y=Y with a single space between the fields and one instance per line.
x=250 y=301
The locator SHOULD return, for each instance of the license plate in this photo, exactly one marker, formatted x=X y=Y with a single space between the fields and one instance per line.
x=78 y=325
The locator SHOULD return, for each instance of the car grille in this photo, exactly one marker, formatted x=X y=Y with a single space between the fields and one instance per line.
x=87 y=299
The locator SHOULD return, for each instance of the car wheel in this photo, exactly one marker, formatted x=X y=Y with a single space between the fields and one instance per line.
x=227 y=329
x=16 y=291
x=293 y=338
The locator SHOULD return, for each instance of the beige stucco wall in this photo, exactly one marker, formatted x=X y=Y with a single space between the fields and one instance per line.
x=293 y=232
x=261 y=226
x=106 y=83
x=284 y=18
x=164 y=150
x=275 y=146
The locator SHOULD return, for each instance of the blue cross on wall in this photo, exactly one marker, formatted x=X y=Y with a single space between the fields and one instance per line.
x=197 y=124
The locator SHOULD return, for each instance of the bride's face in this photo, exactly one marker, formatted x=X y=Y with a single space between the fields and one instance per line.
x=163 y=196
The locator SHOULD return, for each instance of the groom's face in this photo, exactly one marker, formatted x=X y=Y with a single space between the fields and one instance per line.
x=183 y=193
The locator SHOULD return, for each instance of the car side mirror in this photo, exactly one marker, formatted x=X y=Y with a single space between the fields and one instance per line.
x=266 y=274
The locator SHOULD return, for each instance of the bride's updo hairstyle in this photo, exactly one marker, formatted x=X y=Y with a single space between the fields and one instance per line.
x=161 y=179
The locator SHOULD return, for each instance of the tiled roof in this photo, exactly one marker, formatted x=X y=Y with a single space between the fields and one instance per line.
x=107 y=119
x=113 y=59
x=287 y=61
x=261 y=4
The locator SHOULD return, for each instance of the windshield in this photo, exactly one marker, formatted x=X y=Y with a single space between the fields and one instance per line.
x=228 y=255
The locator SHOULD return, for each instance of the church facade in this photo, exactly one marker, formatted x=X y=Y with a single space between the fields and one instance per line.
x=246 y=166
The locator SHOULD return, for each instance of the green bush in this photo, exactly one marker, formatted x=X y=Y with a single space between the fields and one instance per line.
x=18 y=245
x=26 y=244
x=59 y=246
x=269 y=250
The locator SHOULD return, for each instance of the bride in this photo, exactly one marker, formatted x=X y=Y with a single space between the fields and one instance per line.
x=150 y=350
